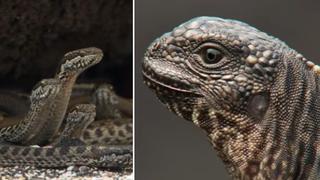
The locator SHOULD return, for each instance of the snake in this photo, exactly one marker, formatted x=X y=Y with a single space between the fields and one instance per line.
x=47 y=130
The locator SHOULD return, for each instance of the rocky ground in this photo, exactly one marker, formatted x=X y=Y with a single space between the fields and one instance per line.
x=72 y=172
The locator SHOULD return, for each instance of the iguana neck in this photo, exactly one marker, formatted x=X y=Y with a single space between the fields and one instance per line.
x=288 y=130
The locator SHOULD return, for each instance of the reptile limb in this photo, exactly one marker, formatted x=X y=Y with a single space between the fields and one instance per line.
x=255 y=97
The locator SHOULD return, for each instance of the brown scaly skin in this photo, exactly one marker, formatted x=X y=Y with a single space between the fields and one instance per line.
x=68 y=151
x=76 y=122
x=41 y=100
x=73 y=64
x=100 y=94
x=49 y=100
x=50 y=112
x=109 y=132
x=256 y=98
x=115 y=158
x=109 y=129
x=103 y=96
x=113 y=123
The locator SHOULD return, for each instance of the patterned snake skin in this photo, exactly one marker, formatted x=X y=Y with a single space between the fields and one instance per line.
x=65 y=139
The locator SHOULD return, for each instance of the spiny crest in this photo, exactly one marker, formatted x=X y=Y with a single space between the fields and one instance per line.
x=315 y=68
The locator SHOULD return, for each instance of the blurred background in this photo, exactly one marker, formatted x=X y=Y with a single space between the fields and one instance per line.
x=168 y=147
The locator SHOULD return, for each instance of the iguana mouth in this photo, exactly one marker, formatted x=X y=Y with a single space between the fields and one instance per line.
x=162 y=82
x=153 y=83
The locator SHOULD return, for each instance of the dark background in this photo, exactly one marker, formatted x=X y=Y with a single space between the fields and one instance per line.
x=35 y=34
x=168 y=147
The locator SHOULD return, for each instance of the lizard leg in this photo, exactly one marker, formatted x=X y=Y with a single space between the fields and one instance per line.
x=76 y=121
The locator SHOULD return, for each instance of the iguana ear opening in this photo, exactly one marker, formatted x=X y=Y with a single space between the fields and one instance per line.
x=258 y=105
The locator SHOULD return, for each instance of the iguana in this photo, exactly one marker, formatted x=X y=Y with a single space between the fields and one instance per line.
x=255 y=97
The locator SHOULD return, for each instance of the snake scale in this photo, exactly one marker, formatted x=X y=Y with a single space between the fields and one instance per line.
x=61 y=128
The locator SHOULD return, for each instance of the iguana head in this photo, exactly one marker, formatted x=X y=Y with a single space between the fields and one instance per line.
x=217 y=73
x=224 y=66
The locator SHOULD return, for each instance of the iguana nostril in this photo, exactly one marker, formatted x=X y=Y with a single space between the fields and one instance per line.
x=172 y=48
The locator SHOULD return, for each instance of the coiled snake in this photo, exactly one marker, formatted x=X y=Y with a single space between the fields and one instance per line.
x=61 y=127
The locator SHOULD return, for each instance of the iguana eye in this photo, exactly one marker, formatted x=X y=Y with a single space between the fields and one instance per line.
x=211 y=55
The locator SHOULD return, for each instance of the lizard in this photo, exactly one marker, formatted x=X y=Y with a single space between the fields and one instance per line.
x=256 y=98
x=44 y=94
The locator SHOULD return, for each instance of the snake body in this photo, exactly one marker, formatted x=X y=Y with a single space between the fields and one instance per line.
x=73 y=63
x=112 y=158
x=43 y=121
x=41 y=100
